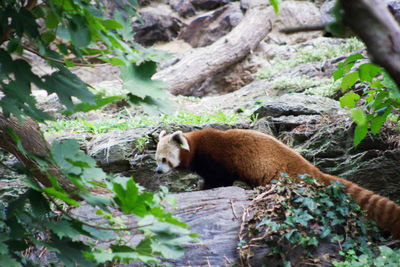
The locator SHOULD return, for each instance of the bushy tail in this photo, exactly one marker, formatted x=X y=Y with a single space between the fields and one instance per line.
x=383 y=211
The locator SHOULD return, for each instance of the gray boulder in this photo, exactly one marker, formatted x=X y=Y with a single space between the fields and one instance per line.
x=208 y=28
x=159 y=25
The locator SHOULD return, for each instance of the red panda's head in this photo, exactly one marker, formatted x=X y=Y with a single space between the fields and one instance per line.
x=168 y=150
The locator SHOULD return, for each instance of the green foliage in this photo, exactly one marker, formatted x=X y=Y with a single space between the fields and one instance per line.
x=74 y=30
x=385 y=257
x=288 y=214
x=381 y=95
x=31 y=221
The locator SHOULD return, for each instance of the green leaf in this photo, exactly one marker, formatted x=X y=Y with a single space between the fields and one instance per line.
x=275 y=5
x=51 y=20
x=111 y=24
x=24 y=22
x=94 y=200
x=359 y=116
x=14 y=45
x=127 y=28
x=66 y=85
x=61 y=195
x=40 y=205
x=63 y=228
x=376 y=124
x=349 y=100
x=388 y=82
x=360 y=133
x=352 y=59
x=101 y=101
x=79 y=31
x=70 y=252
x=48 y=37
x=349 y=80
x=137 y=80
x=62 y=152
x=336 y=28
x=368 y=71
x=338 y=73
x=7 y=260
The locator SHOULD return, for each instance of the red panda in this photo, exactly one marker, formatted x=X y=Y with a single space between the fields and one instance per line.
x=221 y=157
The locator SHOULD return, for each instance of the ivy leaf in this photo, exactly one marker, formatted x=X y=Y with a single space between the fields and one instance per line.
x=376 y=124
x=359 y=116
x=388 y=82
x=368 y=71
x=349 y=80
x=338 y=73
x=349 y=100
x=353 y=58
x=360 y=133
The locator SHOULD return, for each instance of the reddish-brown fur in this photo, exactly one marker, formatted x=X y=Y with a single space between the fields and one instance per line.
x=258 y=158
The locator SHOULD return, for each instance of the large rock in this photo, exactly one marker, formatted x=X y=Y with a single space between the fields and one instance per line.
x=298 y=104
x=373 y=164
x=293 y=14
x=208 y=4
x=208 y=28
x=159 y=25
x=183 y=7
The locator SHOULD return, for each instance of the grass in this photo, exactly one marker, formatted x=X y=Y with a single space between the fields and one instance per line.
x=308 y=54
x=81 y=125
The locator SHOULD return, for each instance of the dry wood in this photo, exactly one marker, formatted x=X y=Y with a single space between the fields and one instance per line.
x=372 y=21
x=34 y=143
x=203 y=62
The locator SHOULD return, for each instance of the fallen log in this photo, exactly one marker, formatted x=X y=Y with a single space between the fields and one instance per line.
x=200 y=63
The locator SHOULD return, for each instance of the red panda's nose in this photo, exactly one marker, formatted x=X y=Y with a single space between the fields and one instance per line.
x=159 y=170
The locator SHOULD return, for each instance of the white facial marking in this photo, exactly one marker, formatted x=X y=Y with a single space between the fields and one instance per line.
x=167 y=154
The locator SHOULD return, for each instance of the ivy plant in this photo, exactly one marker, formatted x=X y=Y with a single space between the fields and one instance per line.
x=380 y=93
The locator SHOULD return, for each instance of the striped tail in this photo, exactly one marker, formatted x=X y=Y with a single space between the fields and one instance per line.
x=383 y=211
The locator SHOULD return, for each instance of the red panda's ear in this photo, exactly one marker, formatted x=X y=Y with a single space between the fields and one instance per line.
x=180 y=140
x=162 y=134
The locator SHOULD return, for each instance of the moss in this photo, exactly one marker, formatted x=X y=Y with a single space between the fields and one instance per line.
x=311 y=86
x=308 y=54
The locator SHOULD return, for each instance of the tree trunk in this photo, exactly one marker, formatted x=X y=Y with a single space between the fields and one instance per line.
x=202 y=62
x=372 y=21
x=34 y=144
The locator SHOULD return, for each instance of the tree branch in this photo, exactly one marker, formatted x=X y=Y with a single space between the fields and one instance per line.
x=33 y=142
x=304 y=28
x=372 y=21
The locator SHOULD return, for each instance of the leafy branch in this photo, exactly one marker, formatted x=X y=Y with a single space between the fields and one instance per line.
x=382 y=97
